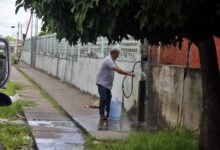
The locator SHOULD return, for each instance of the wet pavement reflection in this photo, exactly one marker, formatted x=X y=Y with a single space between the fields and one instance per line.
x=124 y=125
x=56 y=135
x=114 y=125
x=103 y=125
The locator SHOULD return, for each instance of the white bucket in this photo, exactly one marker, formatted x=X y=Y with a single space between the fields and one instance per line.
x=115 y=110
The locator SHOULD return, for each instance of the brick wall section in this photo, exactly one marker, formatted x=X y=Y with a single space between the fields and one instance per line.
x=154 y=54
x=174 y=56
x=217 y=44
x=167 y=51
x=194 y=57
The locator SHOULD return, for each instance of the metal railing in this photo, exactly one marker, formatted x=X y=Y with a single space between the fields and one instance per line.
x=48 y=45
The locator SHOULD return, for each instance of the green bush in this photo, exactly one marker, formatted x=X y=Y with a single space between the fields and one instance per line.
x=14 y=59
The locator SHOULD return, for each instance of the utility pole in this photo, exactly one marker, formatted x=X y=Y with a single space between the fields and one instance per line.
x=32 y=23
x=36 y=26
x=21 y=31
x=16 y=47
x=25 y=35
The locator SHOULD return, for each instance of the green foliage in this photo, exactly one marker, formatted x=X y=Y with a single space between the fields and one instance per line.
x=27 y=103
x=14 y=59
x=11 y=88
x=14 y=137
x=164 y=140
x=9 y=38
x=2 y=53
x=45 y=94
x=167 y=21
x=158 y=20
x=11 y=111
x=42 y=33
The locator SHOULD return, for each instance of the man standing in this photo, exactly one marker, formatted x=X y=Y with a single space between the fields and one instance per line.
x=104 y=81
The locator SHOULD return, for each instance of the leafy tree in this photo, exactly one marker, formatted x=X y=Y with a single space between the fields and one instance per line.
x=167 y=21
x=42 y=33
x=9 y=38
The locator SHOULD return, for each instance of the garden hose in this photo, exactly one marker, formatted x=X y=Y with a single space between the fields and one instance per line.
x=132 y=80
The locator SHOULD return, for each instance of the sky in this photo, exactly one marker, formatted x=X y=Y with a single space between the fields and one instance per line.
x=8 y=18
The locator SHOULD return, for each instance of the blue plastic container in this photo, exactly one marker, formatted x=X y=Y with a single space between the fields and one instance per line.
x=115 y=110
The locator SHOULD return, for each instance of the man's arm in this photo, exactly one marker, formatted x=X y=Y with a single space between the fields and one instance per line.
x=119 y=70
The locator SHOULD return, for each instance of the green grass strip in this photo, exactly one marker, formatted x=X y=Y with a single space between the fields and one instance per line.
x=11 y=111
x=13 y=137
x=44 y=93
x=27 y=103
x=163 y=140
x=11 y=88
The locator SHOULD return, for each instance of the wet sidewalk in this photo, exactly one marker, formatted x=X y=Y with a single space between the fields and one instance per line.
x=51 y=129
x=74 y=103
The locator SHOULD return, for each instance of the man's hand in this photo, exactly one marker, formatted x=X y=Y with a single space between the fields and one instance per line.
x=119 y=70
x=131 y=74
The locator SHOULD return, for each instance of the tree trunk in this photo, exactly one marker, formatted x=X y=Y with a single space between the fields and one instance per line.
x=210 y=118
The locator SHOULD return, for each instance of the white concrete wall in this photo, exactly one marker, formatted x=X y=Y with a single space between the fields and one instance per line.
x=82 y=74
x=78 y=65
x=26 y=53
x=176 y=100
x=26 y=57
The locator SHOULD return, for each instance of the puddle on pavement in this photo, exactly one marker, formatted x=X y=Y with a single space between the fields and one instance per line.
x=56 y=135
x=124 y=125
x=113 y=125
x=51 y=123
x=51 y=144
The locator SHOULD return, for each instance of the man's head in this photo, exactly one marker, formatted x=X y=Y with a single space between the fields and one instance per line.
x=115 y=53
